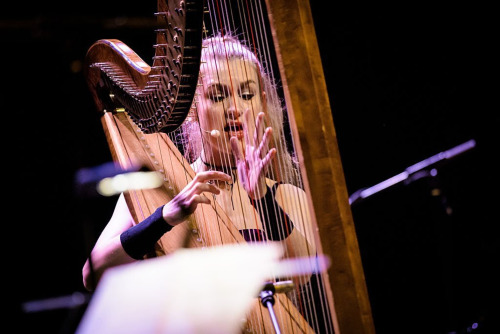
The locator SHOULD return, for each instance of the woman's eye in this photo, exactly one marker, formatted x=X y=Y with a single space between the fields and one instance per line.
x=247 y=95
x=217 y=97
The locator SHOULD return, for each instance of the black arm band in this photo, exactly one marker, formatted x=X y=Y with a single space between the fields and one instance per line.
x=140 y=239
x=278 y=225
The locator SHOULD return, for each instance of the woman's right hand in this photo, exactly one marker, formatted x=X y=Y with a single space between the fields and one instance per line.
x=185 y=202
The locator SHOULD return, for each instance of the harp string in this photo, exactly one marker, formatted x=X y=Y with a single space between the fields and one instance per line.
x=252 y=19
x=281 y=172
x=220 y=19
x=219 y=65
x=252 y=28
x=223 y=19
x=224 y=160
x=262 y=44
x=242 y=72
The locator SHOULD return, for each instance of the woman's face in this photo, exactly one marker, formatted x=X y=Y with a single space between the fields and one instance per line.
x=229 y=101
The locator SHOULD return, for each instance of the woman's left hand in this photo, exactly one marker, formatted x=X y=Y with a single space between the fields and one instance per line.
x=252 y=165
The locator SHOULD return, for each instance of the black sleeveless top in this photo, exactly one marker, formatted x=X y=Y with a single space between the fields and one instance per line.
x=277 y=225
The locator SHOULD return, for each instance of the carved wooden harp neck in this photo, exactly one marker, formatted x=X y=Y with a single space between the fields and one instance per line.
x=158 y=97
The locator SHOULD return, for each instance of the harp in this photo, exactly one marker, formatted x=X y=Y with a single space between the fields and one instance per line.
x=143 y=105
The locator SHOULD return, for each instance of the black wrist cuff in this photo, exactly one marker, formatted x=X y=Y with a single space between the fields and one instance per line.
x=140 y=239
x=277 y=224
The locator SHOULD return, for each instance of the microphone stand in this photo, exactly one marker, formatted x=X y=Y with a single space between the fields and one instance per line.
x=267 y=298
x=412 y=172
x=422 y=169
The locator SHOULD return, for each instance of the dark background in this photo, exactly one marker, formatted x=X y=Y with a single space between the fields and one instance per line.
x=404 y=84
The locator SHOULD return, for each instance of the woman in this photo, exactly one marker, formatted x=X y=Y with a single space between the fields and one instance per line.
x=239 y=162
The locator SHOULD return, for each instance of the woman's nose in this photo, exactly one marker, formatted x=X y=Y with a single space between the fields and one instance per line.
x=235 y=109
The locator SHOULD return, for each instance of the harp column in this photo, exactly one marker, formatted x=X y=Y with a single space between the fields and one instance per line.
x=316 y=145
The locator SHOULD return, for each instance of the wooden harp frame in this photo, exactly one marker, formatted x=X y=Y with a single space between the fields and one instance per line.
x=317 y=151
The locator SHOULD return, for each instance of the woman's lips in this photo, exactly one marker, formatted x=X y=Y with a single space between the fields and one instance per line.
x=237 y=134
x=234 y=129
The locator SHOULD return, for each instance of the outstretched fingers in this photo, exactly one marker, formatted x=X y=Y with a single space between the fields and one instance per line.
x=259 y=127
x=238 y=155
x=264 y=144
x=266 y=161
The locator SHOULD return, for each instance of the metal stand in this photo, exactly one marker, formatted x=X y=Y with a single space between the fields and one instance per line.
x=427 y=169
x=410 y=172
x=267 y=299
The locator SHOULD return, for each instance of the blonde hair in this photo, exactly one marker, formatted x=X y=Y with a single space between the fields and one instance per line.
x=229 y=47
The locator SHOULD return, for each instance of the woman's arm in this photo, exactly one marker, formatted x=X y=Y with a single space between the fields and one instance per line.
x=108 y=250
x=122 y=241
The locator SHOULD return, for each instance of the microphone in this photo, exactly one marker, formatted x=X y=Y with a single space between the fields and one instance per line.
x=214 y=133
x=279 y=287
